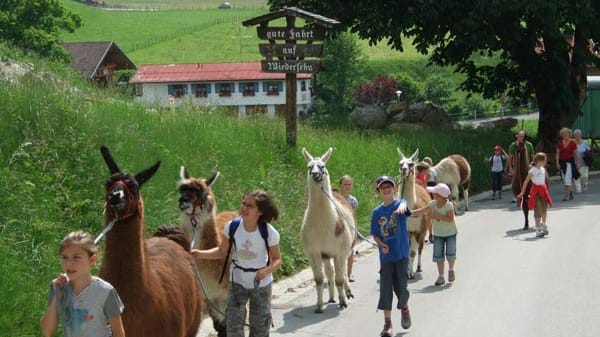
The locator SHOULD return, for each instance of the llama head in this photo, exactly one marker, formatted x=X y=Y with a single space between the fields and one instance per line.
x=406 y=165
x=316 y=165
x=195 y=192
x=123 y=189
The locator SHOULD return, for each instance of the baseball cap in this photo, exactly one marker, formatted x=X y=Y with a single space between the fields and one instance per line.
x=497 y=148
x=441 y=189
x=385 y=179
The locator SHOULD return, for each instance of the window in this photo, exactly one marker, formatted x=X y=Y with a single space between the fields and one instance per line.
x=201 y=89
x=177 y=90
x=248 y=88
x=224 y=89
x=139 y=89
x=302 y=85
x=272 y=88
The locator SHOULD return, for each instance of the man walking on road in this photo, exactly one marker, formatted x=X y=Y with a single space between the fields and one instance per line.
x=520 y=153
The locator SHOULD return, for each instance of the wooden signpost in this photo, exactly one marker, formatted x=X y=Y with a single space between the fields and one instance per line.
x=288 y=56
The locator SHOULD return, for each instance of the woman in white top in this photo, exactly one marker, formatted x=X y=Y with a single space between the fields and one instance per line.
x=582 y=146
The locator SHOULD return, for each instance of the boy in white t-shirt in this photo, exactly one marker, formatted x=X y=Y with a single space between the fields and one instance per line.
x=539 y=198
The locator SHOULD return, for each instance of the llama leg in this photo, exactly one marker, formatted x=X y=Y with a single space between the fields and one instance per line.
x=217 y=318
x=455 y=200
x=466 y=197
x=330 y=280
x=316 y=264
x=339 y=263
x=413 y=253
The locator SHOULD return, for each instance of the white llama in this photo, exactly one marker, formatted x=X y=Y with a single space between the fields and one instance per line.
x=416 y=196
x=455 y=172
x=328 y=230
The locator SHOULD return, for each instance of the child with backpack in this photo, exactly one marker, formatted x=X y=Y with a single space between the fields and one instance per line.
x=254 y=243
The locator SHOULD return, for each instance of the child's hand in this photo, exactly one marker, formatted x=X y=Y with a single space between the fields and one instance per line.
x=384 y=248
x=519 y=196
x=60 y=281
x=402 y=208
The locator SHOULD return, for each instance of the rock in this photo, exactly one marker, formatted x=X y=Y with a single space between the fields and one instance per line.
x=369 y=117
x=503 y=123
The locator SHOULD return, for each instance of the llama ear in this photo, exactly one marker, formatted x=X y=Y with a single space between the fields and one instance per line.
x=112 y=165
x=402 y=156
x=415 y=156
x=146 y=174
x=213 y=178
x=325 y=157
x=183 y=173
x=306 y=155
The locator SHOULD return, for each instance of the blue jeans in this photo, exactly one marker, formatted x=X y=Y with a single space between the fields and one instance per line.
x=444 y=246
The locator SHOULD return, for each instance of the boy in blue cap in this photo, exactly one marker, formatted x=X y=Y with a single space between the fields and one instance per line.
x=388 y=227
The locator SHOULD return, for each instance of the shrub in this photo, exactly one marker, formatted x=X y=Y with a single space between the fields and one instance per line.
x=381 y=90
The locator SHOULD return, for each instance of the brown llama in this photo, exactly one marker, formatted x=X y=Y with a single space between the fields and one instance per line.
x=455 y=172
x=154 y=277
x=416 y=196
x=328 y=231
x=204 y=228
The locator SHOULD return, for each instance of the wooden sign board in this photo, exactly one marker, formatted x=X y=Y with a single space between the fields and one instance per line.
x=290 y=66
x=291 y=34
x=290 y=50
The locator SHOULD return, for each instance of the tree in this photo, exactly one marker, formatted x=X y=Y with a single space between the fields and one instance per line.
x=34 y=25
x=513 y=47
x=342 y=67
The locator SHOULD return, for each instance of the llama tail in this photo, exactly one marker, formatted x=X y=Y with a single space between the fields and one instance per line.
x=173 y=233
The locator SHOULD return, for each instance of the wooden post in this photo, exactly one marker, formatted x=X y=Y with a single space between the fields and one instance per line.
x=290 y=111
x=290 y=96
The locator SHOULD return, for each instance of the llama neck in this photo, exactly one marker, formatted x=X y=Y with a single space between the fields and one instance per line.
x=408 y=191
x=124 y=262
x=319 y=195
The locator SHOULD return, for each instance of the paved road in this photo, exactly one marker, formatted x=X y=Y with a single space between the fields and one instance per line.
x=509 y=283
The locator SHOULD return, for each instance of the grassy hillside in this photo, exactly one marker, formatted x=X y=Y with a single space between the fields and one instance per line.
x=52 y=172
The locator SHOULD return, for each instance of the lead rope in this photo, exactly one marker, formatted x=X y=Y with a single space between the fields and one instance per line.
x=340 y=213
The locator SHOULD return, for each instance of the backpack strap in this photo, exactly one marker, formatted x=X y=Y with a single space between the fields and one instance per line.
x=264 y=233
x=235 y=223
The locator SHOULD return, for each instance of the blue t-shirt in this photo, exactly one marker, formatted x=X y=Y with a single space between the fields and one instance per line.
x=391 y=228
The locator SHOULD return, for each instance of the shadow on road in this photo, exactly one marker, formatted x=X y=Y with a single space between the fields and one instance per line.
x=302 y=317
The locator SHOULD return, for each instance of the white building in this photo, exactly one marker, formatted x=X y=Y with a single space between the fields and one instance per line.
x=239 y=85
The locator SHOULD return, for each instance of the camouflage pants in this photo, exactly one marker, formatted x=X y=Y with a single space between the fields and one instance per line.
x=260 y=311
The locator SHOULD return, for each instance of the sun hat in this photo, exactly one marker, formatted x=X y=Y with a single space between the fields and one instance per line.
x=441 y=189
x=385 y=179
x=497 y=148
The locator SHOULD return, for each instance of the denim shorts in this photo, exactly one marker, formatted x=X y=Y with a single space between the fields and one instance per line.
x=444 y=246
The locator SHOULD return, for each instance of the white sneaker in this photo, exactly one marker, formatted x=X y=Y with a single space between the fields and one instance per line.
x=545 y=229
x=539 y=232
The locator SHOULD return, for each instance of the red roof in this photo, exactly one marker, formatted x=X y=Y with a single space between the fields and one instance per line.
x=205 y=72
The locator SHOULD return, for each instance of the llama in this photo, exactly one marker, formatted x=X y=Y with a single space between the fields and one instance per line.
x=154 y=277
x=328 y=231
x=198 y=208
x=416 y=196
x=455 y=172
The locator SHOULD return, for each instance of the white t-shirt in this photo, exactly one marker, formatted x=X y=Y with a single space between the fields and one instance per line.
x=249 y=251
x=538 y=175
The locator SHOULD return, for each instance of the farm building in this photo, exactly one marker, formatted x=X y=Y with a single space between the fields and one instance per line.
x=238 y=85
x=98 y=60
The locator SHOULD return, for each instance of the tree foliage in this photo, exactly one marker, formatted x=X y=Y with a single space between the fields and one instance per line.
x=342 y=68
x=35 y=25
x=513 y=47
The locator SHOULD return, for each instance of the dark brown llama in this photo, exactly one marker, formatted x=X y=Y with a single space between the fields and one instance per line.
x=154 y=277
x=204 y=227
